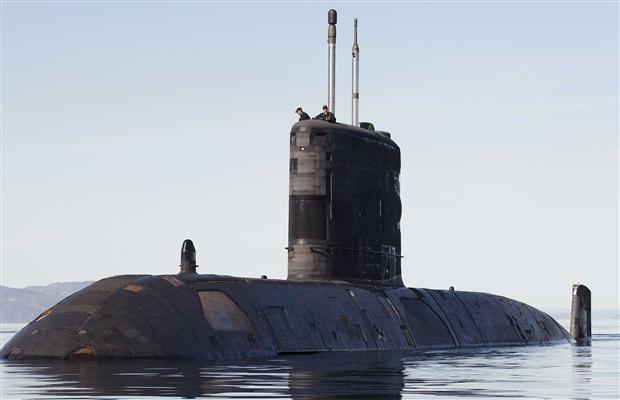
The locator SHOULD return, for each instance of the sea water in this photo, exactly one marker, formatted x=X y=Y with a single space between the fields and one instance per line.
x=538 y=372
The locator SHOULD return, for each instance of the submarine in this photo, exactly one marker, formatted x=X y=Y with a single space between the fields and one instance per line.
x=344 y=290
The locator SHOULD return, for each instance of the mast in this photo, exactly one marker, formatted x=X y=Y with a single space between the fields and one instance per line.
x=332 y=18
x=355 y=96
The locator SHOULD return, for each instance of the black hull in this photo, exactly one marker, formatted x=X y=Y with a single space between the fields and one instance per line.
x=218 y=318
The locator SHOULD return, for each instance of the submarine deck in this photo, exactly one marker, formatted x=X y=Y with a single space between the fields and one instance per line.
x=220 y=317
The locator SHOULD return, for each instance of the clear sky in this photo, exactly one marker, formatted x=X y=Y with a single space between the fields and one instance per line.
x=128 y=127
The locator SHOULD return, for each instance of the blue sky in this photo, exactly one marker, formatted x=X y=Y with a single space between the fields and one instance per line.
x=128 y=127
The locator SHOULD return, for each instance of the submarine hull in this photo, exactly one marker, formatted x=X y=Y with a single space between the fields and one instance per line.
x=218 y=318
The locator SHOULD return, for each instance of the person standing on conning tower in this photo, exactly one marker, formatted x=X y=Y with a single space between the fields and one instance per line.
x=326 y=115
x=302 y=114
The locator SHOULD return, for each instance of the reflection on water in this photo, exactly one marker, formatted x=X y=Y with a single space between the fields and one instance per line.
x=582 y=372
x=314 y=376
x=535 y=372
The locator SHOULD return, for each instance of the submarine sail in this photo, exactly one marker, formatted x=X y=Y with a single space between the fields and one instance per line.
x=344 y=205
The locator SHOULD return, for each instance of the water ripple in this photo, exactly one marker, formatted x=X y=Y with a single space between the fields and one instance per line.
x=551 y=372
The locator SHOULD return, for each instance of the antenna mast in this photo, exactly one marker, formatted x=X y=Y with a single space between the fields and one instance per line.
x=355 y=104
x=332 y=18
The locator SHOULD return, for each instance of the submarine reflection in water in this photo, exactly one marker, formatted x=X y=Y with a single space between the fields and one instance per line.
x=481 y=372
x=356 y=375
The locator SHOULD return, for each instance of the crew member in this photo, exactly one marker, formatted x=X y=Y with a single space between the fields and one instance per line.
x=326 y=115
x=302 y=115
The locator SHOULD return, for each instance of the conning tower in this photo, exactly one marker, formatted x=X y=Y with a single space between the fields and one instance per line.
x=344 y=194
x=344 y=204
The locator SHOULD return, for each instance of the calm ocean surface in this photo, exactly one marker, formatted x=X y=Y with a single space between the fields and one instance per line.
x=546 y=372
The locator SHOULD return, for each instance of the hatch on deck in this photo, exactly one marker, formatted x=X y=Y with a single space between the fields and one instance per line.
x=224 y=314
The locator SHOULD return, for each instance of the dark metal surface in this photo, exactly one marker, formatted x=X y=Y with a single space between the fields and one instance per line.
x=344 y=205
x=218 y=317
x=188 y=258
x=332 y=17
x=581 y=314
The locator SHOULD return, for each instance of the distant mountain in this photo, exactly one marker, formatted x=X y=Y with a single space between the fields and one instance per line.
x=23 y=305
x=597 y=313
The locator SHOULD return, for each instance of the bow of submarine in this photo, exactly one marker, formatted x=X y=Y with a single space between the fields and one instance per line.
x=129 y=316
